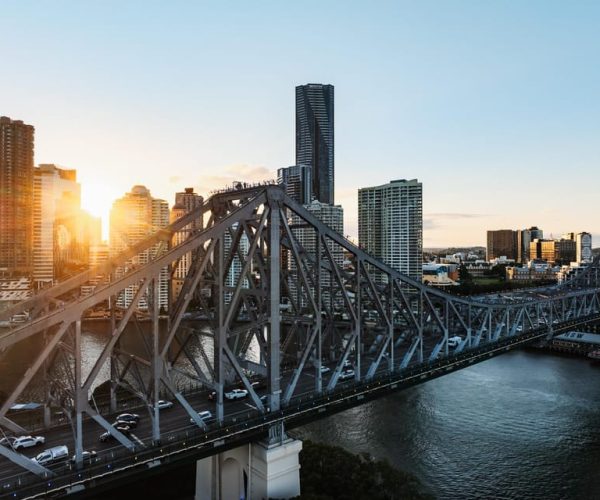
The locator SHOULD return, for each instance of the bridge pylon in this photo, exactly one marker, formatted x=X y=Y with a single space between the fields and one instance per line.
x=268 y=468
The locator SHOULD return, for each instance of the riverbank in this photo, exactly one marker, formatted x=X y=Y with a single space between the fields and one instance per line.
x=332 y=473
x=326 y=473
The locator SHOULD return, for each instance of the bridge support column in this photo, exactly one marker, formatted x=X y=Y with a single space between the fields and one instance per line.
x=257 y=471
x=275 y=471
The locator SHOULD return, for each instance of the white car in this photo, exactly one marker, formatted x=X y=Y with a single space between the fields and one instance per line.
x=347 y=374
x=204 y=415
x=52 y=455
x=325 y=369
x=164 y=405
x=28 y=442
x=454 y=341
x=236 y=394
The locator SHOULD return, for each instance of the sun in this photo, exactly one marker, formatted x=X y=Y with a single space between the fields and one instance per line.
x=97 y=198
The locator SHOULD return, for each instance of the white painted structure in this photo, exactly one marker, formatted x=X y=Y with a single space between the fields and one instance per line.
x=255 y=471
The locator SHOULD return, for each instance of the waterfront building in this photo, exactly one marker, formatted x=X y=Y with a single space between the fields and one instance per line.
x=237 y=264
x=61 y=230
x=315 y=137
x=13 y=291
x=132 y=219
x=16 y=197
x=296 y=181
x=185 y=202
x=390 y=225
x=502 y=243
x=332 y=216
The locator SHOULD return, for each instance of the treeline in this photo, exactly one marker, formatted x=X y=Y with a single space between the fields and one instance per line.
x=332 y=473
x=470 y=286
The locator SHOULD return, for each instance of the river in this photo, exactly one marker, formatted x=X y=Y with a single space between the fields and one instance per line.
x=523 y=425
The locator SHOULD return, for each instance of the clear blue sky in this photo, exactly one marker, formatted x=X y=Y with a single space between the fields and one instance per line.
x=494 y=106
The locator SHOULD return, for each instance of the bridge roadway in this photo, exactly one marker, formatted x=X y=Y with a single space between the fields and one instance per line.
x=183 y=441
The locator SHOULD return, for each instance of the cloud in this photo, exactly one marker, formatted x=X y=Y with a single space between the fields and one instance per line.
x=441 y=219
x=451 y=215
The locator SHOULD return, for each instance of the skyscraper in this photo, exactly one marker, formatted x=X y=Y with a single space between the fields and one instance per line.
x=583 y=248
x=60 y=229
x=185 y=202
x=16 y=196
x=296 y=182
x=332 y=216
x=315 y=138
x=132 y=219
x=524 y=239
x=390 y=225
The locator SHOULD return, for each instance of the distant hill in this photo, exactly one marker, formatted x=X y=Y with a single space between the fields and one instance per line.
x=453 y=250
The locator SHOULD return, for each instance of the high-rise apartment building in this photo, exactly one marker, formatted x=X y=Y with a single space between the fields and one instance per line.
x=185 y=202
x=390 y=225
x=61 y=231
x=16 y=197
x=296 y=181
x=583 y=246
x=502 y=243
x=315 y=138
x=524 y=239
x=132 y=219
x=332 y=216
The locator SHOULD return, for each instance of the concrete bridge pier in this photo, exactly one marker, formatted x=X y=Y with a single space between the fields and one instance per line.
x=255 y=471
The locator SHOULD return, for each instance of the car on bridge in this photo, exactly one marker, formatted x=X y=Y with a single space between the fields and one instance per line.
x=454 y=341
x=51 y=455
x=347 y=374
x=132 y=424
x=204 y=416
x=325 y=369
x=88 y=457
x=107 y=436
x=28 y=442
x=128 y=417
x=236 y=394
x=164 y=405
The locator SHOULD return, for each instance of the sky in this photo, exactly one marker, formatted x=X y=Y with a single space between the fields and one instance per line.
x=493 y=106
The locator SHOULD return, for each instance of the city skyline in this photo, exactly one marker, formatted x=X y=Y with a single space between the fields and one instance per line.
x=494 y=114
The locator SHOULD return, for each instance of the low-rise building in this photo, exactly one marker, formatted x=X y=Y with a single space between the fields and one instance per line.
x=526 y=274
x=478 y=269
x=440 y=275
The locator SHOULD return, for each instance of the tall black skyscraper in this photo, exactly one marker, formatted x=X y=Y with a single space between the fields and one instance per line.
x=314 y=137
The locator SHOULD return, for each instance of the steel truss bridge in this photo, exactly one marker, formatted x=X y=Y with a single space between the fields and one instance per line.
x=276 y=312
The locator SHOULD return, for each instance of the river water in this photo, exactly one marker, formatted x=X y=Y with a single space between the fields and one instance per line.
x=523 y=425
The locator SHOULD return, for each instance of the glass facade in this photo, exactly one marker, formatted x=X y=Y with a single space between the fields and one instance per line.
x=314 y=137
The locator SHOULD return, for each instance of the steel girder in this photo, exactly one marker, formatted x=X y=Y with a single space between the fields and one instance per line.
x=276 y=305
